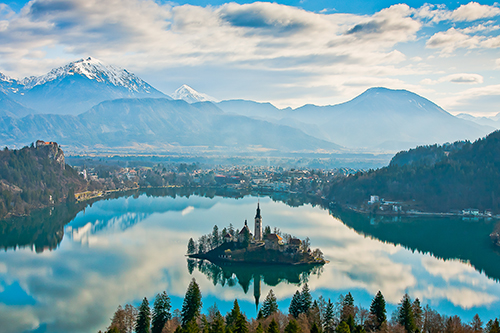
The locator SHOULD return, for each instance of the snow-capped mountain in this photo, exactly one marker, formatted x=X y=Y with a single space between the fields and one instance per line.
x=93 y=69
x=190 y=95
x=76 y=87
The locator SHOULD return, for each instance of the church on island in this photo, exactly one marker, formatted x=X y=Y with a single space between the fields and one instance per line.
x=271 y=241
x=261 y=247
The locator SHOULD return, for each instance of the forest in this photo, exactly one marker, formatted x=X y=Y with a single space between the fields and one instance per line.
x=304 y=315
x=32 y=178
x=433 y=178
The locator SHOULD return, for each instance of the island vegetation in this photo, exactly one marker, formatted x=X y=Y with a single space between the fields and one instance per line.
x=304 y=315
x=262 y=247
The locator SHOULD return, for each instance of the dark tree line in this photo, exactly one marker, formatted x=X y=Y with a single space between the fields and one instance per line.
x=305 y=315
x=439 y=178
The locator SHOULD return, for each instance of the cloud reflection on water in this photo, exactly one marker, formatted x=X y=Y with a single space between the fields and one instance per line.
x=101 y=265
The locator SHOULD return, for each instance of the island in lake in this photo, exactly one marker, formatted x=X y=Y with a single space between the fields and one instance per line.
x=263 y=247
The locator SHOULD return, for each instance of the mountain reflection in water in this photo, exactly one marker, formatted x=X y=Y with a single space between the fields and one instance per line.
x=231 y=274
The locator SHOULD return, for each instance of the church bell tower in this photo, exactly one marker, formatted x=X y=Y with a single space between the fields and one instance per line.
x=258 y=225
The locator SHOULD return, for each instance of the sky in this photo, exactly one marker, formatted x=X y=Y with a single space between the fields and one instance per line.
x=289 y=53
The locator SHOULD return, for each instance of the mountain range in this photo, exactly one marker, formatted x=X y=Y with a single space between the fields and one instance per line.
x=91 y=104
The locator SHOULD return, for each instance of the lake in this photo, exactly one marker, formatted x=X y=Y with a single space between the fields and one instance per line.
x=68 y=268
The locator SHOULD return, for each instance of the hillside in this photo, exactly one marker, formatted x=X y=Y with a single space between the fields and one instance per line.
x=35 y=177
x=438 y=178
x=160 y=123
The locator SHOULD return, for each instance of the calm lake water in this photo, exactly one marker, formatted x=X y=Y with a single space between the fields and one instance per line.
x=57 y=276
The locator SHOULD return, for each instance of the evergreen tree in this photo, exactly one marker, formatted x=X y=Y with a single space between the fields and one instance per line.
x=144 y=317
x=191 y=327
x=270 y=305
x=191 y=246
x=259 y=329
x=273 y=327
x=191 y=306
x=405 y=315
x=494 y=327
x=240 y=325
x=315 y=328
x=161 y=312
x=377 y=311
x=347 y=307
x=217 y=325
x=215 y=237
x=305 y=299
x=295 y=305
x=205 y=326
x=350 y=322
x=329 y=318
x=292 y=327
x=232 y=316
x=343 y=328
x=417 y=314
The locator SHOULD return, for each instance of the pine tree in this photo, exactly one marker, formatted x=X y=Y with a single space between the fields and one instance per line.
x=294 y=308
x=191 y=306
x=347 y=307
x=315 y=328
x=217 y=325
x=343 y=328
x=378 y=311
x=305 y=299
x=232 y=316
x=240 y=325
x=191 y=327
x=144 y=317
x=273 y=327
x=417 y=314
x=270 y=305
x=161 y=312
x=259 y=329
x=405 y=314
x=292 y=327
x=191 y=246
x=215 y=237
x=329 y=318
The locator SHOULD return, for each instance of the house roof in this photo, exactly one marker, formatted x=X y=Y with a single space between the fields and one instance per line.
x=295 y=241
x=274 y=237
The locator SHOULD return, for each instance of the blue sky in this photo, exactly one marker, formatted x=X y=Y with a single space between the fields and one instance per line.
x=289 y=53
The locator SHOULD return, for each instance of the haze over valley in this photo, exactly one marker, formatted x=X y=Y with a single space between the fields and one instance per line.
x=91 y=105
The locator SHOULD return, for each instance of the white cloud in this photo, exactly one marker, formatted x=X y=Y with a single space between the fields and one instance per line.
x=474 y=11
x=456 y=78
x=452 y=39
x=465 y=13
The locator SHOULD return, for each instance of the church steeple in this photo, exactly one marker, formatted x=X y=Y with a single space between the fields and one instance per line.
x=258 y=224
x=258 y=212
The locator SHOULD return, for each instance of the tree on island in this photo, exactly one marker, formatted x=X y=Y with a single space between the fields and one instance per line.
x=192 y=304
x=191 y=246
